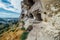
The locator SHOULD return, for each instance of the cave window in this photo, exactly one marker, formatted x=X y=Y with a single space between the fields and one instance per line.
x=22 y=16
x=30 y=27
x=39 y=17
x=45 y=13
x=31 y=2
x=30 y=15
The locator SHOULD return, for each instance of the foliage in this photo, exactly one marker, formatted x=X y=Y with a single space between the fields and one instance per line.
x=22 y=22
x=24 y=35
x=22 y=28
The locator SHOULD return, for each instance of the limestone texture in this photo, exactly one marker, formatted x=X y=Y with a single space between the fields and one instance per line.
x=44 y=16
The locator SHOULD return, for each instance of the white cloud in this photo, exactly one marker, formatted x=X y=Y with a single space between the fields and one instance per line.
x=17 y=8
x=15 y=3
x=2 y=5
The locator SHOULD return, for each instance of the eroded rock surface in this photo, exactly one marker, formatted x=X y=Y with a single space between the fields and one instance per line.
x=45 y=19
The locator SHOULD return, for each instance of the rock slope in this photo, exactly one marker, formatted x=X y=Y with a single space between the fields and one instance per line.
x=44 y=16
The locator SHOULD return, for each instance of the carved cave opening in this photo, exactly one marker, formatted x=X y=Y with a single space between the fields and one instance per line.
x=31 y=2
x=22 y=16
x=30 y=15
x=38 y=17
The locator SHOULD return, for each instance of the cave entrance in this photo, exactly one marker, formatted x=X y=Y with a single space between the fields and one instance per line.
x=22 y=16
x=30 y=15
x=31 y=2
x=38 y=17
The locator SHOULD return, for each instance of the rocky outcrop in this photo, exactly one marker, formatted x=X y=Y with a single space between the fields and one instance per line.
x=44 y=16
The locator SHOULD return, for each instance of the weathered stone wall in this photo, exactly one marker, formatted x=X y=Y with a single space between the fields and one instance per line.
x=45 y=20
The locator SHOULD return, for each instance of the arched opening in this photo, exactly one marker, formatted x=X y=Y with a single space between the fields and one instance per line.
x=22 y=16
x=45 y=13
x=30 y=15
x=30 y=28
x=31 y=2
x=38 y=17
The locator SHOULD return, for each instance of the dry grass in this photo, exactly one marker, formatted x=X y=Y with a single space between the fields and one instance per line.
x=12 y=35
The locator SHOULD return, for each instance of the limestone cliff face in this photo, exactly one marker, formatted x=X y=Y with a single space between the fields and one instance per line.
x=44 y=16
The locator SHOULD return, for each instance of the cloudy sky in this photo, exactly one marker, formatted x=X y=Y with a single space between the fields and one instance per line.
x=10 y=8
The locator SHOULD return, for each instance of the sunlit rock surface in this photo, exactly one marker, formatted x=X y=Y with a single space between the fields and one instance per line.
x=46 y=19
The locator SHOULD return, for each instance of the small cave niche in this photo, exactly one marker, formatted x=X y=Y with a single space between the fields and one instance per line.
x=30 y=28
x=31 y=2
x=38 y=17
x=45 y=13
x=22 y=16
x=30 y=15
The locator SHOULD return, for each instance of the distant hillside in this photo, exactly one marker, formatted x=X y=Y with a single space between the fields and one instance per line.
x=8 y=20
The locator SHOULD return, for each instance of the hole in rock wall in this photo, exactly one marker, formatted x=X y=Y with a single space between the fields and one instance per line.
x=30 y=28
x=38 y=17
x=31 y=2
x=22 y=16
x=30 y=15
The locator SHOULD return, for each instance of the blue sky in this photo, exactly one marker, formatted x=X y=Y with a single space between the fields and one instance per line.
x=10 y=8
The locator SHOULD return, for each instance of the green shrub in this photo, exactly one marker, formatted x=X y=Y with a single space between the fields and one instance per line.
x=22 y=28
x=22 y=22
x=13 y=30
x=17 y=24
x=24 y=35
